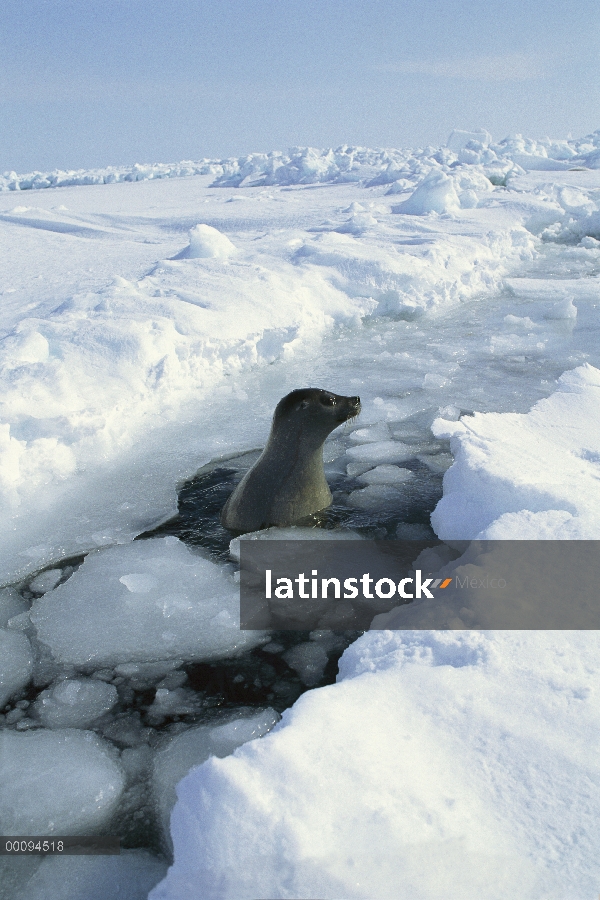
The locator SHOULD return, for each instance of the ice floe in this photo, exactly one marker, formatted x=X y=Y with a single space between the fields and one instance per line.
x=526 y=476
x=437 y=759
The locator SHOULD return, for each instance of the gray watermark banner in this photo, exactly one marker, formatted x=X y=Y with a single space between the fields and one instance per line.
x=354 y=584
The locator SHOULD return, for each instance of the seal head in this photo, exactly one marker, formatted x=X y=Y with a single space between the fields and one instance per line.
x=287 y=482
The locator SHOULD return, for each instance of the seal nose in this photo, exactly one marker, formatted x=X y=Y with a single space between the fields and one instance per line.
x=355 y=401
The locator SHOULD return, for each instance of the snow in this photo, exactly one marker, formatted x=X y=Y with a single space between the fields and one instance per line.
x=179 y=754
x=208 y=243
x=151 y=319
x=494 y=489
x=436 y=193
x=438 y=759
x=309 y=165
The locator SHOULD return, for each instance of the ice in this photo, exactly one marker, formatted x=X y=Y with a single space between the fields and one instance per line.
x=563 y=309
x=74 y=703
x=139 y=583
x=207 y=242
x=309 y=165
x=139 y=366
x=139 y=363
x=179 y=754
x=378 y=432
x=292 y=533
x=446 y=758
x=147 y=601
x=526 y=476
x=173 y=702
x=129 y=875
x=432 y=380
x=309 y=661
x=386 y=475
x=435 y=194
x=458 y=139
x=57 y=782
x=537 y=162
x=380 y=452
x=376 y=497
x=546 y=290
x=16 y=663
x=47 y=581
x=11 y=604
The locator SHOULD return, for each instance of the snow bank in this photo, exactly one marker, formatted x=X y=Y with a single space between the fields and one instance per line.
x=438 y=759
x=436 y=193
x=85 y=383
x=577 y=216
x=179 y=754
x=526 y=476
x=208 y=243
x=143 y=602
x=406 y=284
x=308 y=165
x=10 y=181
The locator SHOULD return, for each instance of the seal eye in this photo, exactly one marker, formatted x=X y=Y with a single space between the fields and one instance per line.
x=328 y=401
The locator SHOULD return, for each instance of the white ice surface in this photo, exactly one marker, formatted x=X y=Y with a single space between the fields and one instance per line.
x=207 y=242
x=179 y=754
x=386 y=475
x=127 y=362
x=123 y=373
x=292 y=533
x=527 y=476
x=126 y=368
x=57 y=782
x=308 y=165
x=142 y=602
x=438 y=759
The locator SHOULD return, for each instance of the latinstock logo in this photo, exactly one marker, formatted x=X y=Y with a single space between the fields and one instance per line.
x=385 y=588
x=360 y=584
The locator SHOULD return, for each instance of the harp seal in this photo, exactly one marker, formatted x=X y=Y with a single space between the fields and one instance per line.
x=287 y=482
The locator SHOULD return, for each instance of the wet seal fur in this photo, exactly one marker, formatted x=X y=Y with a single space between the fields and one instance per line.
x=287 y=482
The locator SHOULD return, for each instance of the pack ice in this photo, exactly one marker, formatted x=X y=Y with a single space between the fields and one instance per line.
x=151 y=319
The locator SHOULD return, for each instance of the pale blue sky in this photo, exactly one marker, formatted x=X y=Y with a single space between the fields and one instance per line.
x=114 y=82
